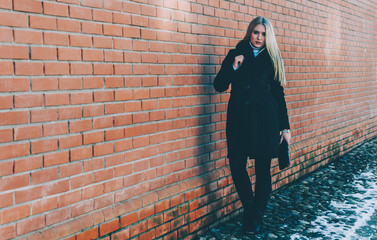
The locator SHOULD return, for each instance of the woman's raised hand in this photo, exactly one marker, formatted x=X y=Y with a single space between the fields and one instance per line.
x=238 y=60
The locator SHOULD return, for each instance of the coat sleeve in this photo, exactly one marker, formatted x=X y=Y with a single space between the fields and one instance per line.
x=224 y=76
x=277 y=92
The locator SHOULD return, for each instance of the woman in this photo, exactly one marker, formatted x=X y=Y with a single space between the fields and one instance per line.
x=257 y=119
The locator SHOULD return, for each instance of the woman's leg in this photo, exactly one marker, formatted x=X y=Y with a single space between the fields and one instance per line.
x=241 y=180
x=263 y=183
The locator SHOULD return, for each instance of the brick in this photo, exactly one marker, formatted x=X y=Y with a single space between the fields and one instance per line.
x=123 y=145
x=14 y=182
x=93 y=164
x=22 y=36
x=14 y=84
x=81 y=69
x=103 y=96
x=92 y=55
x=113 y=108
x=103 y=42
x=91 y=28
x=57 y=216
x=27 y=6
x=69 y=198
x=92 y=111
x=131 y=7
x=7 y=4
x=53 y=159
x=80 y=12
x=70 y=83
x=80 y=126
x=42 y=146
x=102 y=16
x=43 y=115
x=44 y=84
x=15 y=150
x=113 y=56
x=109 y=227
x=114 y=134
x=28 y=100
x=56 y=68
x=56 y=99
x=6 y=135
x=82 y=208
x=92 y=191
x=6 y=68
x=103 y=149
x=8 y=232
x=44 y=205
x=22 y=133
x=105 y=122
x=103 y=69
x=43 y=53
x=128 y=219
x=114 y=82
x=56 y=9
x=112 y=5
x=53 y=129
x=122 y=18
x=6 y=168
x=52 y=38
x=6 y=102
x=28 y=68
x=14 y=213
x=113 y=185
x=82 y=180
x=70 y=141
x=41 y=22
x=126 y=94
x=30 y=224
x=88 y=234
x=14 y=19
x=112 y=30
x=103 y=175
x=81 y=98
x=56 y=187
x=14 y=52
x=28 y=194
x=93 y=82
x=27 y=164
x=81 y=153
x=69 y=54
x=45 y=175
x=138 y=228
x=71 y=169
x=80 y=41
x=92 y=3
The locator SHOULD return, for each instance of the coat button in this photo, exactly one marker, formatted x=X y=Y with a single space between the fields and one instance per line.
x=247 y=102
x=248 y=87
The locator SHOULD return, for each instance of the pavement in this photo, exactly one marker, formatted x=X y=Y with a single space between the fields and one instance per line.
x=338 y=201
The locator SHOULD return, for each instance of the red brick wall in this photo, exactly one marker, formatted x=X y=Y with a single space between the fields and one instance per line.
x=110 y=127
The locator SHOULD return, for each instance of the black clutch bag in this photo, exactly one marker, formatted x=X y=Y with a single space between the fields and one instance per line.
x=283 y=155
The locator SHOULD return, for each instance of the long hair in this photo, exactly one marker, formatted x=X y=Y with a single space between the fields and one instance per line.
x=271 y=46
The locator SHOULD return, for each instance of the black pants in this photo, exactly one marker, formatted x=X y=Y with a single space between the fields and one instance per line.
x=241 y=180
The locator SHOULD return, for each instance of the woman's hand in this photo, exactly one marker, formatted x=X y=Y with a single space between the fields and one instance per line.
x=286 y=136
x=238 y=60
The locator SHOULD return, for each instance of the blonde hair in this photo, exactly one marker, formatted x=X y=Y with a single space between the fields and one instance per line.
x=271 y=46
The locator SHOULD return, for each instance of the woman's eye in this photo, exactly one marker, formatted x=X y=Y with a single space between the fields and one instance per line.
x=264 y=34
x=256 y=32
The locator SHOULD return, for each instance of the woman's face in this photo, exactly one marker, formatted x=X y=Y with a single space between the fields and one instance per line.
x=258 y=36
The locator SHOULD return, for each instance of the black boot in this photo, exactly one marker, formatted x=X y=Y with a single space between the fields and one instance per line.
x=251 y=222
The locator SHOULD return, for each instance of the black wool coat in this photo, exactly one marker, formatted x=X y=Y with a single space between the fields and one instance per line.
x=257 y=109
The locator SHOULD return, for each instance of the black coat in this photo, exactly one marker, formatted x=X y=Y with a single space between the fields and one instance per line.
x=257 y=109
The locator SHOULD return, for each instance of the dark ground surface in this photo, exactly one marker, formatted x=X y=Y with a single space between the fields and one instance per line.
x=338 y=201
